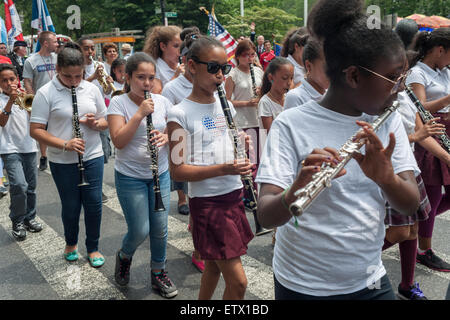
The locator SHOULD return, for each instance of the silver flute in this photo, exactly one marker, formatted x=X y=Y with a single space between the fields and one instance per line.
x=322 y=179
x=426 y=116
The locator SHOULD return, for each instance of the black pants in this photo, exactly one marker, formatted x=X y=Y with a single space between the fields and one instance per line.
x=384 y=293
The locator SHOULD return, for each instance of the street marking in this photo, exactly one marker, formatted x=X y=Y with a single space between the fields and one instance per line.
x=259 y=275
x=76 y=280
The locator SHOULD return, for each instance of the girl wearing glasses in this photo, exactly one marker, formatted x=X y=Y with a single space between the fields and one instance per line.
x=430 y=81
x=333 y=250
x=176 y=90
x=127 y=115
x=239 y=90
x=202 y=153
x=316 y=81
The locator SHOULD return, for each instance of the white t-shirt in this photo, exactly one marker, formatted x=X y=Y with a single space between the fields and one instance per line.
x=163 y=71
x=52 y=105
x=15 y=135
x=134 y=160
x=299 y=71
x=246 y=117
x=208 y=143
x=177 y=89
x=336 y=248
x=268 y=108
x=436 y=82
x=301 y=95
x=408 y=111
x=40 y=69
x=89 y=70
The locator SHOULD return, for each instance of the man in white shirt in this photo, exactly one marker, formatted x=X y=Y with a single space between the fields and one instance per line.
x=39 y=69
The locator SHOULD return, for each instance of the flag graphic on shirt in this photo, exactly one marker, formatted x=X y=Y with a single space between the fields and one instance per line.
x=12 y=23
x=40 y=19
x=216 y=30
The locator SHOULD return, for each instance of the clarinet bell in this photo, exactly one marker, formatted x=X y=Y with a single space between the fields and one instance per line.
x=159 y=205
x=83 y=181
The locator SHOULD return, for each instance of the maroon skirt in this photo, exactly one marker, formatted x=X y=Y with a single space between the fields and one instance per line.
x=220 y=227
x=395 y=218
x=433 y=171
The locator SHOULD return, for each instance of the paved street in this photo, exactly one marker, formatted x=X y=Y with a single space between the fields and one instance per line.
x=35 y=268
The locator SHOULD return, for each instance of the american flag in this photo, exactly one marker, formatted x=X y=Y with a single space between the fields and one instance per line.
x=215 y=29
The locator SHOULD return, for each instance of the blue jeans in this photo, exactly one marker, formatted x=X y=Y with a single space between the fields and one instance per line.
x=67 y=178
x=22 y=174
x=137 y=199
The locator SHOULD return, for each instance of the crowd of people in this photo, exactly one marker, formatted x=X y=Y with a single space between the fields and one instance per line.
x=160 y=109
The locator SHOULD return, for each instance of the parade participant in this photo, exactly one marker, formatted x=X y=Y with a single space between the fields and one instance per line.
x=38 y=70
x=267 y=55
x=430 y=81
x=221 y=231
x=126 y=50
x=19 y=154
x=118 y=75
x=333 y=250
x=176 y=90
x=292 y=49
x=276 y=83
x=316 y=82
x=129 y=128
x=110 y=52
x=243 y=92
x=17 y=57
x=93 y=72
x=163 y=44
x=4 y=53
x=54 y=107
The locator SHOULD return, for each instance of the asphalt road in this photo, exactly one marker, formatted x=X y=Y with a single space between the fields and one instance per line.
x=35 y=269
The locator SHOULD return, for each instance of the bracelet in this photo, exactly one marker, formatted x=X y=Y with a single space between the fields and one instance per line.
x=6 y=112
x=283 y=199
x=64 y=147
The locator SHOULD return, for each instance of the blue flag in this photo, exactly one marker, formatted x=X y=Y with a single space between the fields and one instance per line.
x=40 y=19
x=3 y=32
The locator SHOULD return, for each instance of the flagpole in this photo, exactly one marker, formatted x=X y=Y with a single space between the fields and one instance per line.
x=305 y=12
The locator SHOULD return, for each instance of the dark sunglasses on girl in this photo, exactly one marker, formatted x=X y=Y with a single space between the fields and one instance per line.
x=214 y=67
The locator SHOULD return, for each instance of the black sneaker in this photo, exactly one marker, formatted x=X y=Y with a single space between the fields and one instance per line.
x=432 y=261
x=18 y=231
x=104 y=198
x=122 y=270
x=3 y=191
x=414 y=293
x=164 y=285
x=43 y=163
x=33 y=225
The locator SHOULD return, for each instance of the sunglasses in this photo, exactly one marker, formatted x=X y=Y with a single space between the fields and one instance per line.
x=214 y=67
x=399 y=83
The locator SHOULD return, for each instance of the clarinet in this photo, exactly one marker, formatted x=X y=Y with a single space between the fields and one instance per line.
x=77 y=134
x=427 y=116
x=239 y=153
x=153 y=150
x=252 y=74
x=322 y=179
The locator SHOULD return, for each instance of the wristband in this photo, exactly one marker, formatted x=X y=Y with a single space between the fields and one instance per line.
x=6 y=112
x=283 y=201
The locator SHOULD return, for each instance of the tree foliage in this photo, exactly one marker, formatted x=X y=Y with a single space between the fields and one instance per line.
x=270 y=16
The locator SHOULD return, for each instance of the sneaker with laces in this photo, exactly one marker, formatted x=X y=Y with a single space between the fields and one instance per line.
x=43 y=163
x=33 y=225
x=432 y=261
x=413 y=293
x=164 y=285
x=18 y=231
x=122 y=270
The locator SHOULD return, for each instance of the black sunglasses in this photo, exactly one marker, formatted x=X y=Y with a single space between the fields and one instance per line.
x=214 y=67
